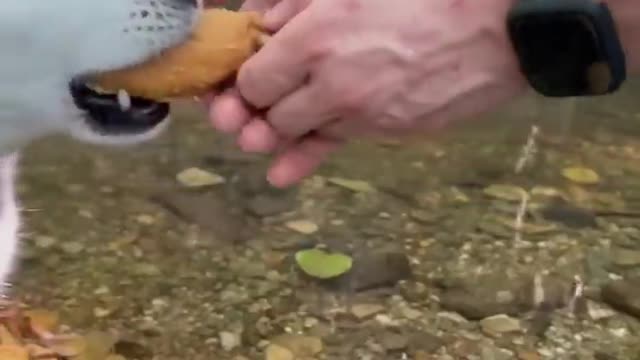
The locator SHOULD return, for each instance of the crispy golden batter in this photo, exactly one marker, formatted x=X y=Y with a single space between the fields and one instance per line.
x=222 y=41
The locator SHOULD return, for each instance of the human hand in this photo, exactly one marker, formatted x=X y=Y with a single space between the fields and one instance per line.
x=258 y=5
x=340 y=69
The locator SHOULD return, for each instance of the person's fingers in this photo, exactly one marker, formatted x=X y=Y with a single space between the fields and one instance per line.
x=299 y=112
x=300 y=160
x=275 y=18
x=279 y=67
x=258 y=5
x=258 y=137
x=228 y=113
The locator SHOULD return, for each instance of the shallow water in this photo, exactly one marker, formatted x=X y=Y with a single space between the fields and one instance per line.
x=114 y=242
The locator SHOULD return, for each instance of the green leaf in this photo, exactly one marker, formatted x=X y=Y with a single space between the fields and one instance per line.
x=323 y=265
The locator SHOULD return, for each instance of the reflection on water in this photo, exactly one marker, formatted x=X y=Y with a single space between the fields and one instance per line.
x=456 y=254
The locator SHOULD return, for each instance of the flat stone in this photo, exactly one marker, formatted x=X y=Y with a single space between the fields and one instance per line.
x=569 y=215
x=302 y=226
x=378 y=270
x=528 y=355
x=598 y=312
x=624 y=256
x=146 y=269
x=494 y=353
x=301 y=346
x=499 y=324
x=425 y=342
x=411 y=313
x=72 y=247
x=229 y=340
x=277 y=352
x=195 y=177
x=451 y=316
x=213 y=213
x=391 y=341
x=363 y=311
x=263 y=205
x=623 y=295
x=45 y=242
x=473 y=306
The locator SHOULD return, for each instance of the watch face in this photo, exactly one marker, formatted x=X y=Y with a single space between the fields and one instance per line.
x=560 y=53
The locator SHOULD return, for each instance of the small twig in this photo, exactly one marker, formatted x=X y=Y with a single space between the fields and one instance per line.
x=578 y=290
x=519 y=221
x=528 y=150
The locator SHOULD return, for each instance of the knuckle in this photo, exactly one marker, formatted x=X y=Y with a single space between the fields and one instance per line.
x=246 y=81
x=251 y=86
x=350 y=100
x=317 y=49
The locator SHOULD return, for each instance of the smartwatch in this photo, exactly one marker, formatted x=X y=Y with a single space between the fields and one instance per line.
x=567 y=48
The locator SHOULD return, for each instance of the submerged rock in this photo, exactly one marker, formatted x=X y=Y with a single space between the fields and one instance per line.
x=623 y=295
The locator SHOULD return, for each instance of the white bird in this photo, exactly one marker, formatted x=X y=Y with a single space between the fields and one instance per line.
x=49 y=48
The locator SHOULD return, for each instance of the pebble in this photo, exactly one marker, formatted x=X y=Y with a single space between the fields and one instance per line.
x=598 y=312
x=475 y=303
x=102 y=290
x=277 y=352
x=229 y=340
x=394 y=341
x=623 y=295
x=499 y=324
x=410 y=313
x=302 y=226
x=569 y=215
x=45 y=242
x=211 y=212
x=424 y=341
x=494 y=353
x=363 y=311
x=625 y=257
x=619 y=332
x=386 y=320
x=145 y=219
x=263 y=205
x=300 y=345
x=528 y=355
x=505 y=192
x=379 y=269
x=310 y=322
x=451 y=316
x=195 y=177
x=73 y=247
x=146 y=269
x=100 y=312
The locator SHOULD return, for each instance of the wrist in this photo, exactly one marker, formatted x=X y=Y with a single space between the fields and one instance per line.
x=575 y=47
x=626 y=14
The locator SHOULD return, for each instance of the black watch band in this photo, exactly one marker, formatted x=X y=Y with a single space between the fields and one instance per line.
x=567 y=48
